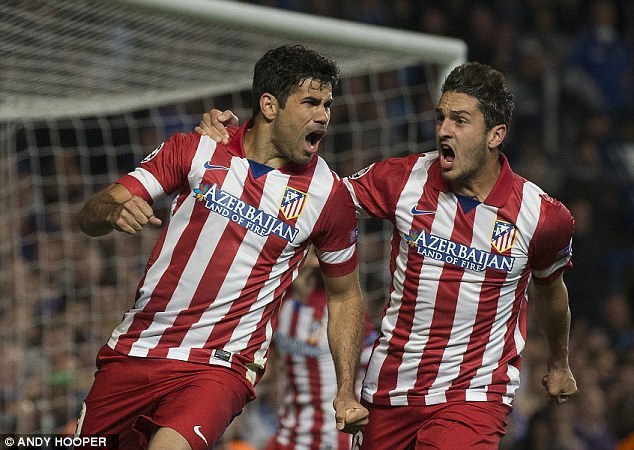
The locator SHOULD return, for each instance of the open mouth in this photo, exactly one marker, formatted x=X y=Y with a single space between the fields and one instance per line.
x=447 y=156
x=312 y=140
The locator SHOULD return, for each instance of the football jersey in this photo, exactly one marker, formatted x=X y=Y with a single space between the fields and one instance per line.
x=455 y=323
x=307 y=416
x=237 y=233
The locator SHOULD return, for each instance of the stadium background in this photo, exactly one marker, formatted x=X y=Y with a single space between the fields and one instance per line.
x=573 y=134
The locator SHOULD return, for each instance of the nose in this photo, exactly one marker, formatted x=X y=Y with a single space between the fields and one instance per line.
x=322 y=115
x=443 y=128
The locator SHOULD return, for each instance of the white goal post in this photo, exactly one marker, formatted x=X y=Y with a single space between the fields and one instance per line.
x=89 y=87
x=84 y=62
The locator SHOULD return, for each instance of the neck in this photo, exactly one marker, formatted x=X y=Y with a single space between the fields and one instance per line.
x=479 y=186
x=259 y=147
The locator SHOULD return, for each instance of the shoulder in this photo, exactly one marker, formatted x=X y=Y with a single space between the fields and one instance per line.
x=396 y=166
x=556 y=224
x=548 y=205
x=177 y=144
x=554 y=209
x=186 y=138
x=177 y=147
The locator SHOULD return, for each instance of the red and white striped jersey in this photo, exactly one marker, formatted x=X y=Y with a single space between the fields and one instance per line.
x=237 y=234
x=307 y=417
x=455 y=323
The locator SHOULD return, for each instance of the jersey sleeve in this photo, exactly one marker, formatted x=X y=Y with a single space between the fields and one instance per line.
x=372 y=188
x=164 y=170
x=552 y=243
x=335 y=234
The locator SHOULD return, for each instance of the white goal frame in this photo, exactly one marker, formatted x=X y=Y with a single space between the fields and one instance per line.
x=448 y=52
x=331 y=33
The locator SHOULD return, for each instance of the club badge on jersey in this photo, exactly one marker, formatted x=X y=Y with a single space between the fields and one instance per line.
x=293 y=202
x=503 y=235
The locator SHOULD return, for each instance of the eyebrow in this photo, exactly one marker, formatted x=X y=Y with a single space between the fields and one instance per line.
x=328 y=101
x=454 y=112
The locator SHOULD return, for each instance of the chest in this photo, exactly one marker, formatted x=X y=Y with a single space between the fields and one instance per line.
x=267 y=207
x=442 y=233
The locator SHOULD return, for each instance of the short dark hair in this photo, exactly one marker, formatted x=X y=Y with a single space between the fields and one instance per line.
x=280 y=70
x=486 y=85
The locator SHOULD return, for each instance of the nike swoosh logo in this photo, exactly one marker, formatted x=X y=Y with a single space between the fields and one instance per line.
x=214 y=167
x=197 y=431
x=421 y=212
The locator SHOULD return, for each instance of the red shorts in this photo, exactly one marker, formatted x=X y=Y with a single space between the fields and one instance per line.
x=132 y=397
x=447 y=426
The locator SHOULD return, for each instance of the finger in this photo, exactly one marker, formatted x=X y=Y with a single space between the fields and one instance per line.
x=221 y=137
x=356 y=413
x=132 y=218
x=140 y=212
x=355 y=419
x=201 y=130
x=565 y=396
x=208 y=126
x=143 y=206
x=139 y=217
x=127 y=222
x=155 y=221
x=123 y=226
x=228 y=118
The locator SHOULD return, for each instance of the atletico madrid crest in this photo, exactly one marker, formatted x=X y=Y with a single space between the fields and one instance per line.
x=293 y=203
x=503 y=236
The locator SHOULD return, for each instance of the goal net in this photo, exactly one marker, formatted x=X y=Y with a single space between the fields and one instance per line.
x=88 y=88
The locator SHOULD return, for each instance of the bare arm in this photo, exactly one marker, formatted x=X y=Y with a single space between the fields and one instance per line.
x=115 y=208
x=345 y=333
x=553 y=316
x=214 y=123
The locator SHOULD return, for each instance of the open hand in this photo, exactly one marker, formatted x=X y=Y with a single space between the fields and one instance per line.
x=214 y=123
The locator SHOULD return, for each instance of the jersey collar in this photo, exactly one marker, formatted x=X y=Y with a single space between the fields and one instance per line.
x=499 y=194
x=236 y=148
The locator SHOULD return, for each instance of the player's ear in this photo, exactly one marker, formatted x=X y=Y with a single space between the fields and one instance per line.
x=268 y=106
x=496 y=135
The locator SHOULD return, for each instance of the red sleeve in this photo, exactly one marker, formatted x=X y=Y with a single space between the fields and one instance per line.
x=376 y=188
x=551 y=247
x=164 y=170
x=335 y=234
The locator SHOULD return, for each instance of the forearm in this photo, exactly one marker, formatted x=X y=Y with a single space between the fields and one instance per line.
x=345 y=334
x=553 y=316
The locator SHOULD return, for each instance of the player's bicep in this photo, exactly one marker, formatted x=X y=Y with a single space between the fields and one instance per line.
x=335 y=235
x=551 y=249
x=164 y=170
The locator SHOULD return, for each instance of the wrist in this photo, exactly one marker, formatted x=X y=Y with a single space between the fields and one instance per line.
x=559 y=362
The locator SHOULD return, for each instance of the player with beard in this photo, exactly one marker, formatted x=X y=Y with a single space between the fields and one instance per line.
x=186 y=357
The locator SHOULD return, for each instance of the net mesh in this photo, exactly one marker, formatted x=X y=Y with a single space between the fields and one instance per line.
x=87 y=89
x=77 y=57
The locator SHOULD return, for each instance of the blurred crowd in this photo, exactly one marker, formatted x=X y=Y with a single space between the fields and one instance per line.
x=569 y=64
